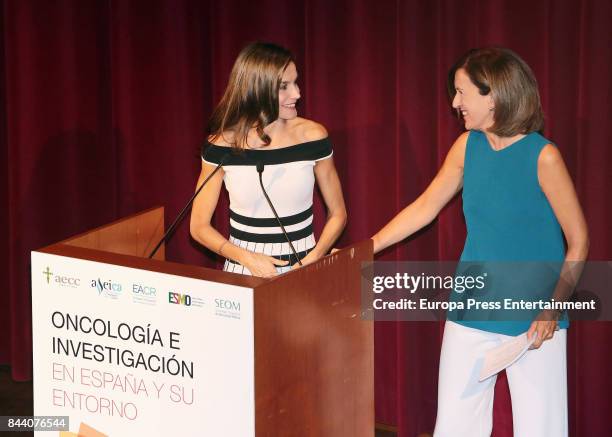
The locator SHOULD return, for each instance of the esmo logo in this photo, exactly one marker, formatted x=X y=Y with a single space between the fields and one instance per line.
x=179 y=299
x=225 y=304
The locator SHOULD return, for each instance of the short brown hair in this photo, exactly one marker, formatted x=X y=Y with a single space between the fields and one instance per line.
x=513 y=86
x=251 y=97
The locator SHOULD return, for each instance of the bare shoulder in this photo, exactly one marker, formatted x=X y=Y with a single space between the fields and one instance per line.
x=461 y=140
x=550 y=156
x=308 y=130
x=551 y=168
x=456 y=154
x=222 y=140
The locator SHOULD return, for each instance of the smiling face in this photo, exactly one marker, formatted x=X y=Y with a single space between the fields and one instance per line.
x=476 y=109
x=288 y=93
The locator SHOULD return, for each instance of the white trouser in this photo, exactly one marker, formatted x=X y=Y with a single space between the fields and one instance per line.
x=538 y=386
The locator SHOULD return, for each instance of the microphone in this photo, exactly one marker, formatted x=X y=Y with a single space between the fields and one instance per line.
x=260 y=169
x=170 y=230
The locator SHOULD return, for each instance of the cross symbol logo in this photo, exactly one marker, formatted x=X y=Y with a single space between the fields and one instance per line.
x=47 y=273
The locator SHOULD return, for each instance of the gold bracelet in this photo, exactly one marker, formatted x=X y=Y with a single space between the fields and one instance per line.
x=221 y=247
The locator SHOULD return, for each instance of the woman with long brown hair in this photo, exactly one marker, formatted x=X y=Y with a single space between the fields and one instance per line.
x=255 y=128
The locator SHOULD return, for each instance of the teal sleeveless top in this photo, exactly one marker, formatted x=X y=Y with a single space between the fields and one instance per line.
x=512 y=231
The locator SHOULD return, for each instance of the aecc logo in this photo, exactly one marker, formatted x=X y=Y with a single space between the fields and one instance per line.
x=61 y=280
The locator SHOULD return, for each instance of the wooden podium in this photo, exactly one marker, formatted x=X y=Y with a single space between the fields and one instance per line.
x=286 y=356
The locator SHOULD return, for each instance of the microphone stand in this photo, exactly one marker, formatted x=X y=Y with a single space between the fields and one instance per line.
x=172 y=227
x=260 y=169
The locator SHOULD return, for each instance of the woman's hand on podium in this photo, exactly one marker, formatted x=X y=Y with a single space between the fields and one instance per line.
x=313 y=256
x=261 y=265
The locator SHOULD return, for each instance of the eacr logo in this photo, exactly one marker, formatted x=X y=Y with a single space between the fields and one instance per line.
x=143 y=289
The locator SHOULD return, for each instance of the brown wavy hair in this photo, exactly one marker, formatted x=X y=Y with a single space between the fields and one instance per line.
x=251 y=97
x=512 y=85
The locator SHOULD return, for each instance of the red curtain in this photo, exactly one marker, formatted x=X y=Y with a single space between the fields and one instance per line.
x=103 y=108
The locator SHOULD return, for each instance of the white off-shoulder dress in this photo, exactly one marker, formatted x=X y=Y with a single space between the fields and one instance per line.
x=289 y=180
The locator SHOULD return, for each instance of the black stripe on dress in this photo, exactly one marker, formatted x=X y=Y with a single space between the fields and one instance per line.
x=270 y=222
x=270 y=238
x=289 y=257
x=308 y=151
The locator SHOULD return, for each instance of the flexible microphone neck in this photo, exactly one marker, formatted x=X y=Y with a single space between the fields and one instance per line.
x=260 y=169
x=170 y=232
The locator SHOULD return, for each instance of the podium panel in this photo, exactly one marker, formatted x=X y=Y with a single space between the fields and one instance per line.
x=125 y=345
x=134 y=352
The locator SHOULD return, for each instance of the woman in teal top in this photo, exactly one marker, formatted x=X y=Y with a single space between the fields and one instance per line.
x=519 y=202
x=510 y=226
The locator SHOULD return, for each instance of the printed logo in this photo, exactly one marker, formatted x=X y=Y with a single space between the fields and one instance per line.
x=144 y=294
x=60 y=280
x=184 y=299
x=48 y=273
x=227 y=308
x=179 y=299
x=107 y=288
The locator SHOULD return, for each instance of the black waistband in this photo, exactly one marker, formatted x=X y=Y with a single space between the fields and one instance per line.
x=289 y=257
x=268 y=222
x=270 y=238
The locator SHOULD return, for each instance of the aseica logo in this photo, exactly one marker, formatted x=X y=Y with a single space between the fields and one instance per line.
x=108 y=288
x=61 y=280
x=179 y=299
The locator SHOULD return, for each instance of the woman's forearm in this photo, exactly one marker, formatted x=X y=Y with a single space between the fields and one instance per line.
x=331 y=231
x=571 y=270
x=412 y=218
x=209 y=237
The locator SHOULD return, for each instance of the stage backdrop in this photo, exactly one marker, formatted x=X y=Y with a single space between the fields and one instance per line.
x=103 y=108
